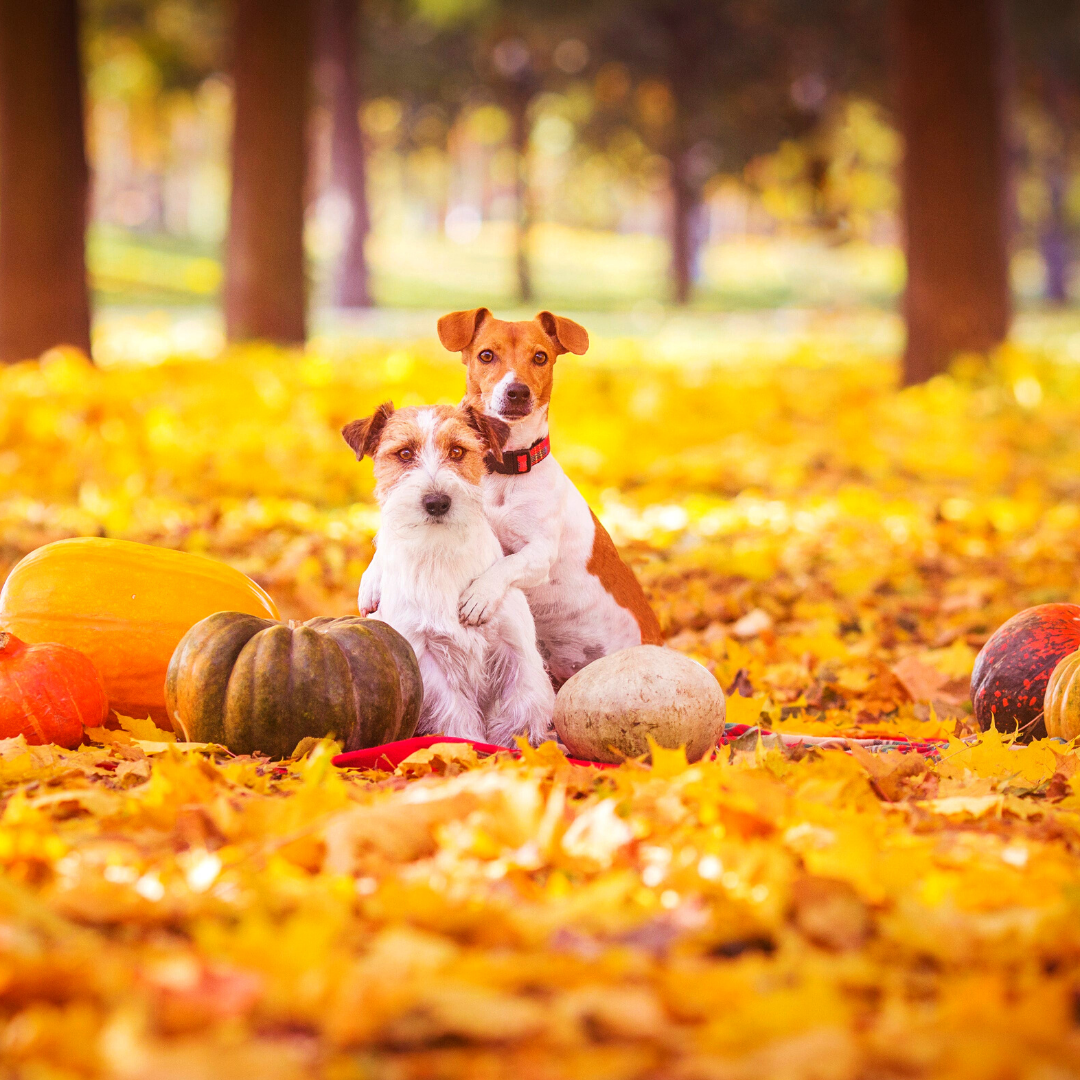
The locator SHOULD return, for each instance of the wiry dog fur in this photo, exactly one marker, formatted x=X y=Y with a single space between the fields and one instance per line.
x=485 y=682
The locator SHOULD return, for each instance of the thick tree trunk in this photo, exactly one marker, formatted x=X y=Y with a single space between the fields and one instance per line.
x=952 y=97
x=338 y=61
x=523 y=196
x=683 y=205
x=43 y=180
x=265 y=286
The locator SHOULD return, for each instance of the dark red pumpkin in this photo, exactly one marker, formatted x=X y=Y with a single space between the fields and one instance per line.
x=1011 y=673
x=48 y=693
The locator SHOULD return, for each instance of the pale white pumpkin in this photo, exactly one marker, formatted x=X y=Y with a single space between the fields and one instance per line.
x=608 y=709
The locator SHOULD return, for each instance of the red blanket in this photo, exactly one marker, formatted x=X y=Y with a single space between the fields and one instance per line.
x=391 y=755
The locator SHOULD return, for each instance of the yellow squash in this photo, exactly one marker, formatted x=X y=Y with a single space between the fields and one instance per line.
x=1061 y=705
x=124 y=605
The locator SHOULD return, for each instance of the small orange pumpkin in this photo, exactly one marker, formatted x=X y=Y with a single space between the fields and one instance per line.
x=48 y=693
x=1061 y=706
x=126 y=606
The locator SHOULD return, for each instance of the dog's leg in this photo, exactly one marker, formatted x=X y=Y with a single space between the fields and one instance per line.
x=522 y=696
x=367 y=599
x=447 y=710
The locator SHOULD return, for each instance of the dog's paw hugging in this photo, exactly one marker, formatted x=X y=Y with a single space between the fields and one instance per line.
x=482 y=597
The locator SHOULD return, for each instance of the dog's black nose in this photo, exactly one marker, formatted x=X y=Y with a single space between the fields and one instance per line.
x=436 y=503
x=518 y=393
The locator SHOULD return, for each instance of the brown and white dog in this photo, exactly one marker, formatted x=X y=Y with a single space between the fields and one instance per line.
x=485 y=682
x=585 y=600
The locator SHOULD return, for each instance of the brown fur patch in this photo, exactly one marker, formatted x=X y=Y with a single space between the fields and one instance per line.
x=458 y=328
x=404 y=431
x=514 y=346
x=619 y=580
x=571 y=336
x=363 y=435
x=455 y=433
x=492 y=431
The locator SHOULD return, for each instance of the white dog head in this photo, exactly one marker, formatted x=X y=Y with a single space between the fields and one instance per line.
x=428 y=463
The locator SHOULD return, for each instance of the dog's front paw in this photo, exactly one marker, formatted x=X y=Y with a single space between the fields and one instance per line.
x=479 y=600
x=367 y=599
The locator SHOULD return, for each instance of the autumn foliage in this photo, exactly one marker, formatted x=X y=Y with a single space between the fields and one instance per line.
x=834 y=550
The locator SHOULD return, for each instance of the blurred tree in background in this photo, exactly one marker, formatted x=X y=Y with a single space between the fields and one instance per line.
x=1046 y=36
x=952 y=93
x=719 y=83
x=265 y=286
x=43 y=180
x=600 y=153
x=338 y=62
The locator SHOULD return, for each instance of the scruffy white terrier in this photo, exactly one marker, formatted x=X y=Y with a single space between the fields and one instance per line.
x=484 y=682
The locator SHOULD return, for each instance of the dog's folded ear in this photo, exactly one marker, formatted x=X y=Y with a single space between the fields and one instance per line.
x=457 y=329
x=492 y=431
x=568 y=335
x=363 y=435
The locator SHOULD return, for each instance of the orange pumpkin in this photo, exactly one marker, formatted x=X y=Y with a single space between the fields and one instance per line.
x=1061 y=706
x=126 y=606
x=48 y=693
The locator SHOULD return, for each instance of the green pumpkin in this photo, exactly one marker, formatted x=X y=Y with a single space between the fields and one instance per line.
x=253 y=684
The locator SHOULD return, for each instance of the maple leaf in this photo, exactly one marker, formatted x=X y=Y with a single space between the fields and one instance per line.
x=890 y=773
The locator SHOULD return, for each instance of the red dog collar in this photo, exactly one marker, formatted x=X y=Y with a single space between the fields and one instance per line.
x=518 y=462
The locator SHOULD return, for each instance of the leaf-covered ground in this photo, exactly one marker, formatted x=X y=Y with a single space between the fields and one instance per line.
x=835 y=550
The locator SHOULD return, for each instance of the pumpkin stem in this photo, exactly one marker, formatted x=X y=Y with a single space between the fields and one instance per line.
x=9 y=643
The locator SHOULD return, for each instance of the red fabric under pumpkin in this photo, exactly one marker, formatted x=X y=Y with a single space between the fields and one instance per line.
x=390 y=756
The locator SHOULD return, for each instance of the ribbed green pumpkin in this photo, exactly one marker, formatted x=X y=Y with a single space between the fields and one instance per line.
x=253 y=684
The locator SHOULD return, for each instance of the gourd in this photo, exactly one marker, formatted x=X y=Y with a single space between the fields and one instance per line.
x=254 y=684
x=48 y=693
x=125 y=606
x=609 y=709
x=1008 y=684
x=1061 y=706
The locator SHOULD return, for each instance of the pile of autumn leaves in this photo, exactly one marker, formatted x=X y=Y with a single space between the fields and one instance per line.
x=834 y=550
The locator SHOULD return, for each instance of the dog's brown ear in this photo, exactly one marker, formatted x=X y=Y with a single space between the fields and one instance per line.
x=492 y=431
x=457 y=329
x=567 y=334
x=363 y=435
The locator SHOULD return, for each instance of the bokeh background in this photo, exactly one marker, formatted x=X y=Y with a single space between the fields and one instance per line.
x=824 y=251
x=614 y=156
x=830 y=415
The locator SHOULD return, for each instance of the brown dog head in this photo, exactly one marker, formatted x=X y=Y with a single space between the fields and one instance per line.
x=509 y=364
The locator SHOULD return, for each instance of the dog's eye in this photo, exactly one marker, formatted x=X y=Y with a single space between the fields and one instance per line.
x=405 y=454
x=540 y=359
x=486 y=356
x=456 y=453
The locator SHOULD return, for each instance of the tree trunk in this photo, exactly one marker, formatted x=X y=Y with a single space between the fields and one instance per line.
x=523 y=196
x=43 y=180
x=952 y=76
x=338 y=62
x=265 y=286
x=683 y=204
x=1055 y=239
